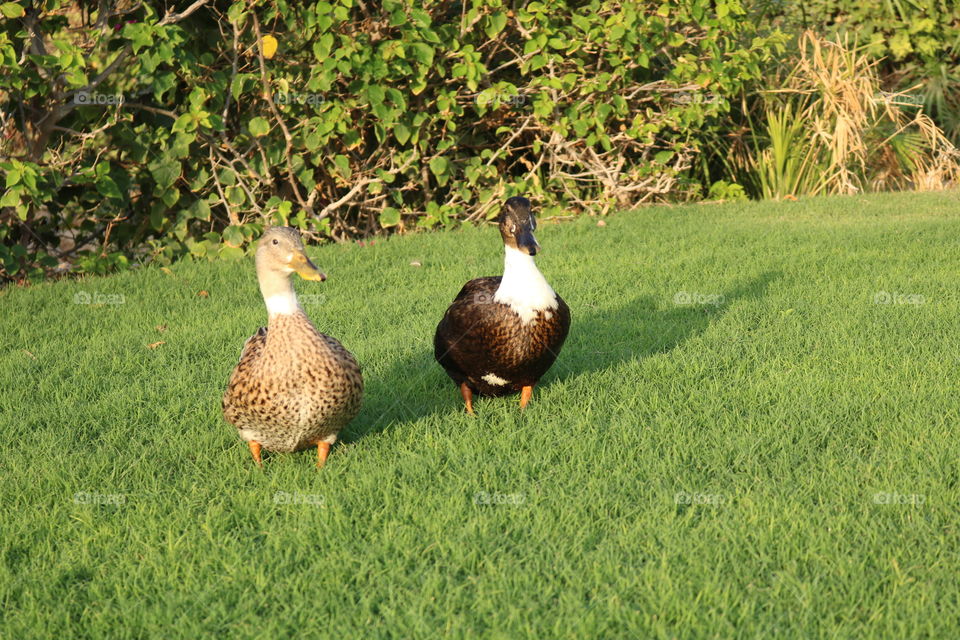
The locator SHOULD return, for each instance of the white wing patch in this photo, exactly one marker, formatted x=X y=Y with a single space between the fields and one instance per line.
x=494 y=379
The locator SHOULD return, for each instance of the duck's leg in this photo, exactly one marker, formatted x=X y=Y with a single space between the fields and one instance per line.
x=467 y=397
x=255 y=452
x=525 y=395
x=323 y=450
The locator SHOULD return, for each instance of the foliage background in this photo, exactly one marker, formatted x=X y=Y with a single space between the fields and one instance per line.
x=131 y=133
x=915 y=42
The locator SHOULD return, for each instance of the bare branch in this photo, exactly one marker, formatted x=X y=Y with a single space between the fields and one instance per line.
x=356 y=189
x=288 y=139
x=172 y=18
x=234 y=220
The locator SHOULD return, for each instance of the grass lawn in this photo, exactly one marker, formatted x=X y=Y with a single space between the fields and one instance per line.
x=751 y=432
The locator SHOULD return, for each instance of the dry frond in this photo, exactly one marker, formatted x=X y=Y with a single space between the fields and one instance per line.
x=847 y=130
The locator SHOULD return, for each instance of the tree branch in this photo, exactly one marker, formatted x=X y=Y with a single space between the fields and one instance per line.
x=288 y=139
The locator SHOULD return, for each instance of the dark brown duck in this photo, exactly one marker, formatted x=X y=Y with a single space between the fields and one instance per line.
x=502 y=333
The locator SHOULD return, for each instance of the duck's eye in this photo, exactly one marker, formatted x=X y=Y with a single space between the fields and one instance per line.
x=275 y=241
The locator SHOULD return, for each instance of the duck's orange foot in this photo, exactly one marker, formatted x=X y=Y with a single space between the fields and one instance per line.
x=525 y=394
x=467 y=397
x=323 y=450
x=255 y=452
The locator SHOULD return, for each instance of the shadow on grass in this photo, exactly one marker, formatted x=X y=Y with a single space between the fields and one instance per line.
x=412 y=387
x=415 y=386
x=642 y=327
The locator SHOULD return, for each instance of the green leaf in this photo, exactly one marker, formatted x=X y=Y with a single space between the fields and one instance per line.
x=12 y=10
x=165 y=171
x=200 y=210
x=376 y=94
x=439 y=166
x=259 y=127
x=663 y=157
x=235 y=196
x=107 y=187
x=900 y=45
x=312 y=141
x=170 y=197
x=11 y=198
x=236 y=13
x=343 y=164
x=186 y=122
x=233 y=236
x=396 y=98
x=389 y=217
x=323 y=46
x=13 y=177
x=495 y=24
x=422 y=53
x=139 y=34
x=231 y=253
x=401 y=133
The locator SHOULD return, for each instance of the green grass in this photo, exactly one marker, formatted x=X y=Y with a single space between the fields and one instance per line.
x=706 y=470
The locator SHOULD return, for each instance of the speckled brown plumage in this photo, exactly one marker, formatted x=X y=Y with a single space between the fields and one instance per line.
x=293 y=386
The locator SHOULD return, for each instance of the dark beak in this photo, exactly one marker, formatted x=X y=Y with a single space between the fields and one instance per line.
x=527 y=243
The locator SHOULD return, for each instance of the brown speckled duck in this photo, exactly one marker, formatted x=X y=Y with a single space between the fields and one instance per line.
x=501 y=334
x=294 y=387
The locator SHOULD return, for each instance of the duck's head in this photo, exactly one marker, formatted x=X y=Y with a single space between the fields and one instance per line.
x=517 y=225
x=280 y=252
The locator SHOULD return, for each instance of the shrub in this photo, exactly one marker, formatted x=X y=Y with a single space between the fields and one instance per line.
x=130 y=135
x=916 y=44
x=829 y=128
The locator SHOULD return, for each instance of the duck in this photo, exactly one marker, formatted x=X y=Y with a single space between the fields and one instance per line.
x=501 y=334
x=294 y=387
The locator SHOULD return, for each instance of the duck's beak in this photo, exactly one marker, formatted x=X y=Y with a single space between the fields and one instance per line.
x=527 y=243
x=306 y=269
